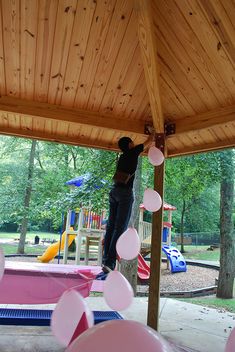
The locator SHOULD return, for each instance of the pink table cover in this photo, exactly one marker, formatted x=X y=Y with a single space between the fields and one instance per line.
x=39 y=283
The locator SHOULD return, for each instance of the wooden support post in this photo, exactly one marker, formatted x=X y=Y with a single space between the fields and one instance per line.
x=170 y=222
x=156 y=245
x=79 y=238
x=148 y=48
x=66 y=241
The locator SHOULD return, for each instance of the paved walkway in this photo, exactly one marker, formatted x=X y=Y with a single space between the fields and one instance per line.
x=190 y=327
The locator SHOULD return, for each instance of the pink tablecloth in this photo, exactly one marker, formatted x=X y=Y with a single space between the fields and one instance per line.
x=39 y=283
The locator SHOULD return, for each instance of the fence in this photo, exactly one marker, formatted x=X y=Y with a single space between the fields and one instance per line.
x=198 y=238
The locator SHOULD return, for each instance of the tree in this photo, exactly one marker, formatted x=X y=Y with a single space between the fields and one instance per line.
x=186 y=179
x=52 y=197
x=13 y=175
x=227 y=234
x=204 y=216
x=28 y=190
x=129 y=267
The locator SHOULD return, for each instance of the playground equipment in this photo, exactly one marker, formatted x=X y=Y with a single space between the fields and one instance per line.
x=88 y=228
x=174 y=257
x=143 y=269
x=53 y=249
x=42 y=317
x=82 y=224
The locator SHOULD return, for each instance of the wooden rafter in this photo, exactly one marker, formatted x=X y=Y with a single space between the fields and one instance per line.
x=58 y=113
x=228 y=143
x=148 y=48
x=57 y=138
x=209 y=119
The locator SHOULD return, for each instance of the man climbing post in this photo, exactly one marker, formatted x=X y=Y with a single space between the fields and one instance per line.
x=121 y=199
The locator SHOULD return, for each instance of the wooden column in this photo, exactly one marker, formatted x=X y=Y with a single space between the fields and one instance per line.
x=148 y=47
x=170 y=222
x=156 y=247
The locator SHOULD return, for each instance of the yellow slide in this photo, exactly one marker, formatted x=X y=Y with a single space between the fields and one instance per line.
x=51 y=251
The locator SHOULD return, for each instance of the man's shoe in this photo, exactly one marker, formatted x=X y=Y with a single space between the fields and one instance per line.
x=101 y=276
x=106 y=269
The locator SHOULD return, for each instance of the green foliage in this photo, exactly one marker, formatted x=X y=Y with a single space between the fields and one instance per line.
x=193 y=179
x=55 y=164
x=204 y=214
x=13 y=176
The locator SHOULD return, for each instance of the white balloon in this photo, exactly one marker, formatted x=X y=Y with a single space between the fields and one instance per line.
x=155 y=156
x=152 y=200
x=2 y=263
x=128 y=244
x=67 y=315
x=118 y=292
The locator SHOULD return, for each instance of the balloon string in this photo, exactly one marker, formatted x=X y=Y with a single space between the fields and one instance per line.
x=72 y=287
x=64 y=286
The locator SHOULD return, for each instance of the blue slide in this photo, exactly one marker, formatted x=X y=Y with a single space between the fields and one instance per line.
x=176 y=259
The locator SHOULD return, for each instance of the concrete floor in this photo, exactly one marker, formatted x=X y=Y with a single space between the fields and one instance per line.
x=191 y=327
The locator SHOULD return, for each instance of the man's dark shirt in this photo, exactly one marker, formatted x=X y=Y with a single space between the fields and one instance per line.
x=128 y=162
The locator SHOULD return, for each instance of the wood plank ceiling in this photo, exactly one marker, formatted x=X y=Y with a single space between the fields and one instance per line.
x=71 y=71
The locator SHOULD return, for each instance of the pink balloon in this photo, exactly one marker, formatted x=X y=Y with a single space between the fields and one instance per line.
x=155 y=156
x=120 y=336
x=118 y=292
x=67 y=314
x=128 y=244
x=2 y=263
x=230 y=345
x=152 y=200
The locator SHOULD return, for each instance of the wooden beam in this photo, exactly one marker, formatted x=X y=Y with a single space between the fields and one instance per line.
x=147 y=41
x=60 y=113
x=57 y=138
x=208 y=119
x=228 y=143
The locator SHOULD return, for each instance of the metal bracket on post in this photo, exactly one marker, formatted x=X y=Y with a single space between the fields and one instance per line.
x=148 y=128
x=169 y=128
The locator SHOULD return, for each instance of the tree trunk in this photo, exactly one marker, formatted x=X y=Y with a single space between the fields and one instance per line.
x=74 y=156
x=182 y=228
x=28 y=191
x=227 y=235
x=129 y=267
x=135 y=214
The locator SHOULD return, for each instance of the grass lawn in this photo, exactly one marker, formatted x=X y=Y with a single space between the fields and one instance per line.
x=30 y=235
x=30 y=248
x=200 y=253
x=213 y=302
x=12 y=248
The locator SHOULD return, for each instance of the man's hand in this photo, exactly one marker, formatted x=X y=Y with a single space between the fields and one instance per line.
x=150 y=140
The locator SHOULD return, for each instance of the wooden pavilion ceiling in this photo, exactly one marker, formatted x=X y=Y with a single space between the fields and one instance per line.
x=87 y=72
